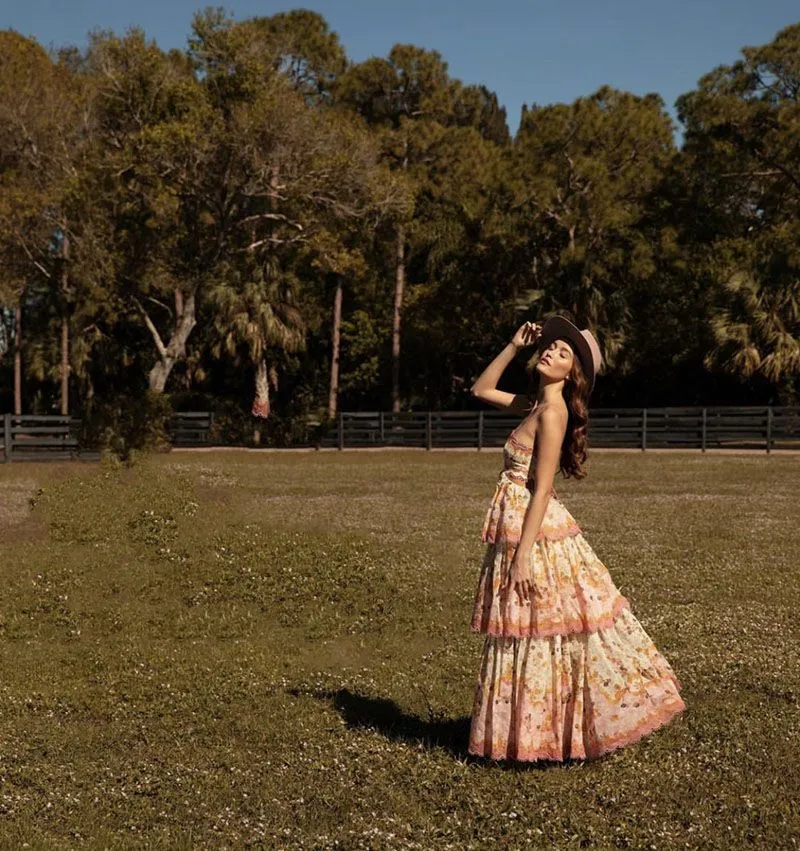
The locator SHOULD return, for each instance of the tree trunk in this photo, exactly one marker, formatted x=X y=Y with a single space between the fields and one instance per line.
x=7 y=325
x=64 y=366
x=18 y=357
x=261 y=402
x=400 y=281
x=64 y=279
x=175 y=350
x=399 y=286
x=260 y=407
x=337 y=321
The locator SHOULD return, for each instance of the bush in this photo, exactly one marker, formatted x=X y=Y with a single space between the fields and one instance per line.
x=127 y=425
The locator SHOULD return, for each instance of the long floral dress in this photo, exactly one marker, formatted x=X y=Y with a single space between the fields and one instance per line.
x=570 y=673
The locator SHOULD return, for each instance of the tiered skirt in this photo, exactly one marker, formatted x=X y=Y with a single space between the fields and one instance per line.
x=569 y=673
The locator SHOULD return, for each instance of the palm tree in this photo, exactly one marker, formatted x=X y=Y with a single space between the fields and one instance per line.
x=254 y=310
x=758 y=332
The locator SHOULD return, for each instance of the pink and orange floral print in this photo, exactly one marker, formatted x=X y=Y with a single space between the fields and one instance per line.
x=570 y=672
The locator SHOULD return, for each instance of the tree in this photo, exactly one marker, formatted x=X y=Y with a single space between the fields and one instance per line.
x=45 y=125
x=585 y=174
x=742 y=150
x=406 y=97
x=160 y=141
x=750 y=330
x=459 y=247
x=254 y=311
x=306 y=52
x=410 y=100
x=308 y=177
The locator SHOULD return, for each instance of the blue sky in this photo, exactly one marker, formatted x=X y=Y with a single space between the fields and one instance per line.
x=527 y=52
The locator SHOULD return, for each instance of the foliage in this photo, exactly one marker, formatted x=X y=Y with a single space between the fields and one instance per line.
x=180 y=220
x=124 y=425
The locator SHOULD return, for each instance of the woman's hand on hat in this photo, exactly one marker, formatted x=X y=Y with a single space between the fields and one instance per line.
x=527 y=335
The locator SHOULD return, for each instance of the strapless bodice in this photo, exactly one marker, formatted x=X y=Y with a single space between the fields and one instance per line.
x=512 y=494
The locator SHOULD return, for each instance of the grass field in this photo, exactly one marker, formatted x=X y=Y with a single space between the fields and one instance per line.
x=272 y=651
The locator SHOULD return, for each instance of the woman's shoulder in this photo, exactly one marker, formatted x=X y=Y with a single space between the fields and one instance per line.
x=553 y=411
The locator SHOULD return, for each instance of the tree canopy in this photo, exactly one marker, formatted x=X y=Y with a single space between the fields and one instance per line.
x=259 y=226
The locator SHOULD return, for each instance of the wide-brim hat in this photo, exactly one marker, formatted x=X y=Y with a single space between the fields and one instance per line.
x=584 y=342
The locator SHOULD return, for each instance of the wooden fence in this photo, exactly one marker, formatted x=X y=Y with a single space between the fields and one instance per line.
x=42 y=438
x=53 y=437
x=190 y=428
x=643 y=428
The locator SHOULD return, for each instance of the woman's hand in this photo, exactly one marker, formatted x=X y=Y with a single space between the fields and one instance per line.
x=520 y=576
x=527 y=335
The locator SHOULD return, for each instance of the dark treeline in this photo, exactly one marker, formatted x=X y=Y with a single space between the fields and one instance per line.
x=260 y=227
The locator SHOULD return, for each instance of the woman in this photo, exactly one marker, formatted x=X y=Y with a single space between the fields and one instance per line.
x=567 y=671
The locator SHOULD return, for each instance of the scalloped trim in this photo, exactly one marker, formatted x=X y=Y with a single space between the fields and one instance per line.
x=564 y=532
x=652 y=722
x=573 y=627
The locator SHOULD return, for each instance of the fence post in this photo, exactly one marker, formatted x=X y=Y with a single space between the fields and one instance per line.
x=769 y=427
x=7 y=437
x=644 y=429
x=428 y=431
x=381 y=426
x=480 y=429
x=703 y=439
x=341 y=430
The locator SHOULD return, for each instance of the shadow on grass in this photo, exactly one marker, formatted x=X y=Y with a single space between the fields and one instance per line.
x=386 y=717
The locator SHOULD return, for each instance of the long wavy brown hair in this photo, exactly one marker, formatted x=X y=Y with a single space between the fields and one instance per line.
x=576 y=395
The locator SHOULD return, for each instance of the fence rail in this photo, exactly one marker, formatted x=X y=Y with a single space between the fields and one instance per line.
x=751 y=427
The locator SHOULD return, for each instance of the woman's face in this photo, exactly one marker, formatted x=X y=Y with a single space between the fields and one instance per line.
x=556 y=360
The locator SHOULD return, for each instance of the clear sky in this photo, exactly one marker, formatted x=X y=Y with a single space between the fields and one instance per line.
x=528 y=51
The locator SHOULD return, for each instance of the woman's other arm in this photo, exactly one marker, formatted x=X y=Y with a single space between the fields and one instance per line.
x=550 y=431
x=485 y=387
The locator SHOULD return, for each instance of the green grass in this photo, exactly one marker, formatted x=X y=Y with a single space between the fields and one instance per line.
x=240 y=651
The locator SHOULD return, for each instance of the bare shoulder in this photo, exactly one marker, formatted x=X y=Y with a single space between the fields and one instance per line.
x=555 y=411
x=553 y=417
